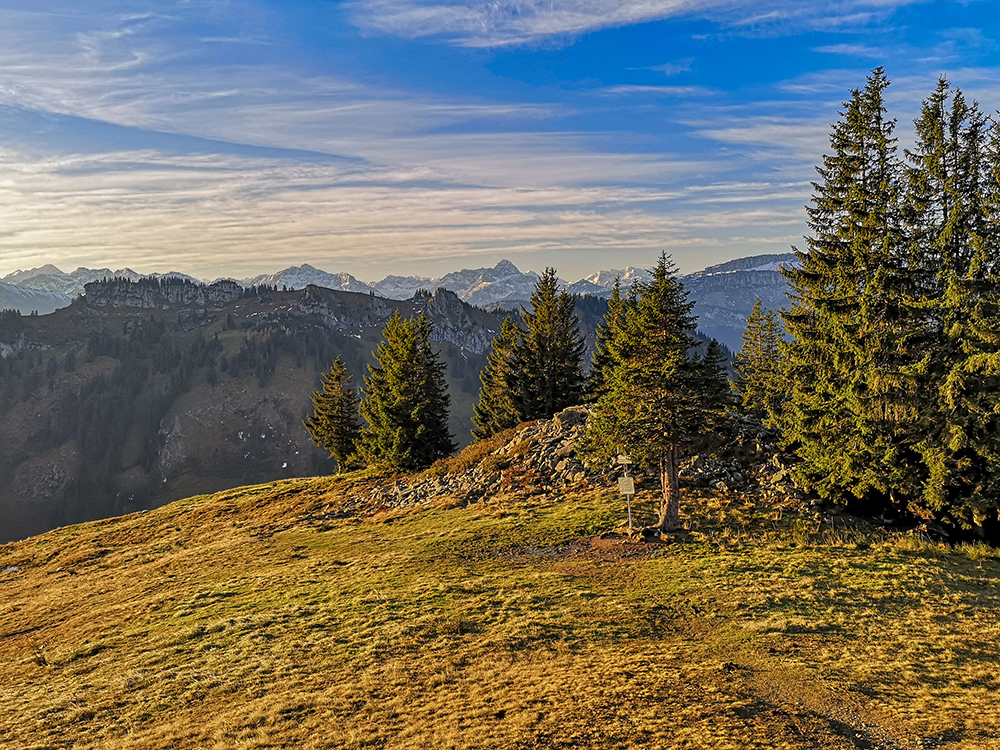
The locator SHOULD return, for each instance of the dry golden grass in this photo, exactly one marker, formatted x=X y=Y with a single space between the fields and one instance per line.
x=241 y=621
x=474 y=455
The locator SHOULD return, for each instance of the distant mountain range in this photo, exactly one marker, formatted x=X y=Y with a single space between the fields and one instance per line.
x=724 y=294
x=47 y=288
x=482 y=287
x=28 y=300
x=48 y=278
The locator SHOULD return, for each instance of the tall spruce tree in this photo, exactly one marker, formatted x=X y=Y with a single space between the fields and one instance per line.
x=606 y=333
x=713 y=380
x=333 y=424
x=405 y=399
x=496 y=410
x=657 y=399
x=758 y=366
x=847 y=414
x=548 y=372
x=952 y=216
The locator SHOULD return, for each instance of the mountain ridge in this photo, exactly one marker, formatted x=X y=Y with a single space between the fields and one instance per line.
x=724 y=294
x=27 y=301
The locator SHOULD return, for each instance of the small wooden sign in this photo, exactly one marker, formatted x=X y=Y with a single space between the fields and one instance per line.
x=624 y=460
x=626 y=485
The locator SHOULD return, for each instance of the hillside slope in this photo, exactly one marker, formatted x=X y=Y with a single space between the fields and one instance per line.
x=307 y=613
x=143 y=393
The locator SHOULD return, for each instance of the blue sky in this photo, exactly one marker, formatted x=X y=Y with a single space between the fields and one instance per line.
x=233 y=137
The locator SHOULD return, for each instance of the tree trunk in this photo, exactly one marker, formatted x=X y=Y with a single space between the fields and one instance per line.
x=670 y=485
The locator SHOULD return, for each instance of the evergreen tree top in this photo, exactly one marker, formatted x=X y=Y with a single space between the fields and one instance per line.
x=406 y=398
x=549 y=353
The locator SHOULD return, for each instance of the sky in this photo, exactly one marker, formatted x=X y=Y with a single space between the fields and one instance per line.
x=236 y=137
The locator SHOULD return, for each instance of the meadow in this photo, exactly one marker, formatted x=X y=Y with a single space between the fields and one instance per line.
x=271 y=617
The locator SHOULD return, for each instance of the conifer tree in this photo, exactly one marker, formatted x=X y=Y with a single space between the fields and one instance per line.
x=606 y=333
x=847 y=413
x=713 y=382
x=758 y=365
x=496 y=410
x=548 y=372
x=405 y=399
x=952 y=212
x=657 y=399
x=333 y=424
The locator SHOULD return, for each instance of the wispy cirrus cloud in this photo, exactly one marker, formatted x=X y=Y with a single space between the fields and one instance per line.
x=674 y=68
x=129 y=71
x=671 y=91
x=171 y=139
x=501 y=23
x=952 y=45
x=852 y=50
x=507 y=22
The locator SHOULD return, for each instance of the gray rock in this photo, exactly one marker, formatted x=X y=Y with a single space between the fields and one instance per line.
x=572 y=416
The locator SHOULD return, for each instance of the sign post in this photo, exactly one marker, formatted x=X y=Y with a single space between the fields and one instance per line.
x=626 y=486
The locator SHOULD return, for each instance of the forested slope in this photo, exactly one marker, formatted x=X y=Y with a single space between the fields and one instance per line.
x=132 y=397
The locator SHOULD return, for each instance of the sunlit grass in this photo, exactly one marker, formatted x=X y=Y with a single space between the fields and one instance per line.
x=256 y=619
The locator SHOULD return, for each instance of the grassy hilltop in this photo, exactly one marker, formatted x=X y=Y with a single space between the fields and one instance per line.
x=288 y=615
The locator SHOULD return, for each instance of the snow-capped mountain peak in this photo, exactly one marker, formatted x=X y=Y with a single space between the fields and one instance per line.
x=49 y=278
x=27 y=301
x=299 y=277
x=628 y=276
x=19 y=277
x=506 y=268
x=477 y=286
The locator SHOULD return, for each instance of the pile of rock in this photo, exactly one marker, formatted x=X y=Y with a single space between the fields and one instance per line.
x=721 y=474
x=775 y=481
x=751 y=463
x=540 y=458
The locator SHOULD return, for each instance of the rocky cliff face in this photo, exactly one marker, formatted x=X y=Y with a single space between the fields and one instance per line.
x=462 y=325
x=454 y=321
x=160 y=294
x=724 y=295
x=342 y=311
